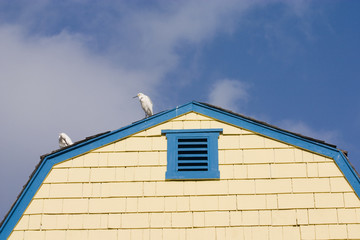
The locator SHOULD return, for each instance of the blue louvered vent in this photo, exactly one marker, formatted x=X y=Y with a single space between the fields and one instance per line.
x=192 y=154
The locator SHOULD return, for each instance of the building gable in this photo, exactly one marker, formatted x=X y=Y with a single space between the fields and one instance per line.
x=262 y=171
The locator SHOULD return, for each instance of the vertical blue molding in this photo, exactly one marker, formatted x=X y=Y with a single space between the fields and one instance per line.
x=47 y=163
x=171 y=155
x=214 y=152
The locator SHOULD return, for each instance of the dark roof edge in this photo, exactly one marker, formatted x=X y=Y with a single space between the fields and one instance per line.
x=42 y=157
x=269 y=125
x=74 y=144
x=58 y=151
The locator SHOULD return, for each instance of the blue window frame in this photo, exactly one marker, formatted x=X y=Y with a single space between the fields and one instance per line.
x=192 y=153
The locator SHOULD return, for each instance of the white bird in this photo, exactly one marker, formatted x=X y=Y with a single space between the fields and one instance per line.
x=146 y=104
x=64 y=140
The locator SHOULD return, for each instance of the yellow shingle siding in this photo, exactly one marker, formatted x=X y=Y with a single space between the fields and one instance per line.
x=267 y=190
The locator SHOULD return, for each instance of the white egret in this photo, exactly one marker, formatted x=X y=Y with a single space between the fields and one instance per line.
x=64 y=140
x=146 y=104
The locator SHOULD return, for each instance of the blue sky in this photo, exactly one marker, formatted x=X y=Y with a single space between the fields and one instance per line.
x=73 y=66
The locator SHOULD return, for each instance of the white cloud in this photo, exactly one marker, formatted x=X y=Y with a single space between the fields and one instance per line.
x=52 y=80
x=52 y=85
x=229 y=93
x=157 y=35
x=136 y=37
x=57 y=75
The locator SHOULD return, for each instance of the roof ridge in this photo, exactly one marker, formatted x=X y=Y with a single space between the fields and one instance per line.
x=268 y=124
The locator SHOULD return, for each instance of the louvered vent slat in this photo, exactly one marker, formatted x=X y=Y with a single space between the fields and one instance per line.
x=192 y=154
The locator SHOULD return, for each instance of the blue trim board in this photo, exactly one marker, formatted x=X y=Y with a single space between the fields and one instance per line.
x=177 y=131
x=50 y=160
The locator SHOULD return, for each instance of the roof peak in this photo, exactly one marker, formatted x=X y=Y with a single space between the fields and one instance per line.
x=189 y=105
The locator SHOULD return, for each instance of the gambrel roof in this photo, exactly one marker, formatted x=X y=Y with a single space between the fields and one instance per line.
x=97 y=141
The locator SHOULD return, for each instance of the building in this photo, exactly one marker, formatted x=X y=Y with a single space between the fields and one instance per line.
x=193 y=172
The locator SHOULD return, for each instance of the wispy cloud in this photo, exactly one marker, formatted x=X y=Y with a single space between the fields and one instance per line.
x=73 y=66
x=329 y=136
x=76 y=72
x=59 y=75
x=50 y=85
x=229 y=93
x=135 y=36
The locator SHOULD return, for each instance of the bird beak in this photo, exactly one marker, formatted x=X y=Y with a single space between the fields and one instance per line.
x=135 y=96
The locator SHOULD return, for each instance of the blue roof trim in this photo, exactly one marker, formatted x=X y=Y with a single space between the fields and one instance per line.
x=286 y=137
x=175 y=131
x=78 y=149
x=50 y=160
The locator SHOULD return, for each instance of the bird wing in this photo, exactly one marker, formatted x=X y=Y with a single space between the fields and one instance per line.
x=150 y=101
x=67 y=140
x=148 y=111
x=62 y=142
x=150 y=107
